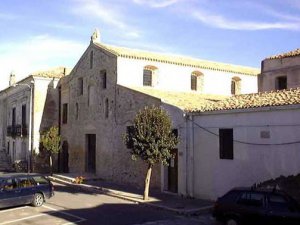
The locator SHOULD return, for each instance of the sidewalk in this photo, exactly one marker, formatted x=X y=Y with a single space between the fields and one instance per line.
x=158 y=199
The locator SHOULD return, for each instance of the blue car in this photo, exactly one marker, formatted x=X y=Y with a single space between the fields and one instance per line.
x=23 y=189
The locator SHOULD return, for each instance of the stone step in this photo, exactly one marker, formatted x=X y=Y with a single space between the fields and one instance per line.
x=64 y=178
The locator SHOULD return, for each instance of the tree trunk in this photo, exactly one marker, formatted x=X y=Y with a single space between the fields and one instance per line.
x=50 y=164
x=147 y=182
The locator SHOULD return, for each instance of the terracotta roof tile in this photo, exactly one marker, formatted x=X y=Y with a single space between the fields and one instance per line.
x=182 y=100
x=264 y=99
x=178 y=60
x=293 y=53
x=57 y=72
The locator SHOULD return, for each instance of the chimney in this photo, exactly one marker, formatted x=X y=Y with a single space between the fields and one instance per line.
x=12 y=79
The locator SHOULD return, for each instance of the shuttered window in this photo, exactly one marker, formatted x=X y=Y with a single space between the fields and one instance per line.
x=226 y=143
x=24 y=115
x=147 y=77
x=236 y=86
x=194 y=82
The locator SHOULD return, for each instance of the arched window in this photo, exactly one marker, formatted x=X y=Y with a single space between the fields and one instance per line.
x=197 y=81
x=235 y=86
x=91 y=59
x=150 y=76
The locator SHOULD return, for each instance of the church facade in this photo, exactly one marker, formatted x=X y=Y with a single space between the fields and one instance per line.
x=108 y=86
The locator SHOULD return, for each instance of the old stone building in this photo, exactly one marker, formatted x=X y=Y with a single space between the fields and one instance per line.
x=107 y=87
x=280 y=71
x=236 y=127
x=28 y=107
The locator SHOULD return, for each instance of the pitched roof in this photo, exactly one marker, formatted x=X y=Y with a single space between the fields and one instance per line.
x=264 y=99
x=183 y=100
x=293 y=53
x=177 y=60
x=57 y=72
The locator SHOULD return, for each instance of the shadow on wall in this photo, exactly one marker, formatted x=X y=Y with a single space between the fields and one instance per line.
x=49 y=118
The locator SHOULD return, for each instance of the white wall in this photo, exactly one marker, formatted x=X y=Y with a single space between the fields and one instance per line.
x=174 y=77
x=178 y=123
x=252 y=163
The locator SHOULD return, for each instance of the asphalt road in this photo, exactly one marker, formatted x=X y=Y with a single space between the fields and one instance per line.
x=71 y=206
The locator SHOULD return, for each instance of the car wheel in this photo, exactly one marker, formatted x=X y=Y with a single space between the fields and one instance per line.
x=38 y=200
x=232 y=221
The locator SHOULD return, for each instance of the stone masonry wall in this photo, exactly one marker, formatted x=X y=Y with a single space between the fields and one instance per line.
x=105 y=112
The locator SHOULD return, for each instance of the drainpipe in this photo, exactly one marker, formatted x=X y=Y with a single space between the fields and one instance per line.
x=187 y=140
x=192 y=157
x=189 y=121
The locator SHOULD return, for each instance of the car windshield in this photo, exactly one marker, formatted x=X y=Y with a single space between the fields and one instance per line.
x=40 y=180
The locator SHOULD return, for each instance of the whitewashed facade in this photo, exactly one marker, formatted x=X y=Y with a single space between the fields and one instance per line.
x=266 y=145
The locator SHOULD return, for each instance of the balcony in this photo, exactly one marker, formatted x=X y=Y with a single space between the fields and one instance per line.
x=24 y=131
x=9 y=131
x=17 y=131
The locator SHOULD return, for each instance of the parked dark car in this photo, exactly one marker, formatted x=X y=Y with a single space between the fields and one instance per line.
x=257 y=206
x=22 y=189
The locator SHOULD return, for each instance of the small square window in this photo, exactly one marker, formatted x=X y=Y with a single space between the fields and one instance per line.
x=281 y=83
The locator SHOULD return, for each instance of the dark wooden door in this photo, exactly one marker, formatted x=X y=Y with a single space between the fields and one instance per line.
x=173 y=172
x=65 y=157
x=91 y=153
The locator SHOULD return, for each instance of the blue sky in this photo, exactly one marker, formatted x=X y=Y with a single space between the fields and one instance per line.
x=38 y=34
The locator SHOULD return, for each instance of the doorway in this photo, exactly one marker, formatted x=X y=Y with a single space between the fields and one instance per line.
x=91 y=153
x=65 y=157
x=173 y=172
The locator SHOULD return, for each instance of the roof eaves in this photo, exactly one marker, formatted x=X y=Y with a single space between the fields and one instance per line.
x=289 y=54
x=251 y=101
x=178 y=60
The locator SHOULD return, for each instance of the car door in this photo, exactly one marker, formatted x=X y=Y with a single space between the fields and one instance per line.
x=27 y=189
x=282 y=211
x=9 y=193
x=251 y=207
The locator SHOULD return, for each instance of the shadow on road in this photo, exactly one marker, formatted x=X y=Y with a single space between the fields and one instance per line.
x=113 y=214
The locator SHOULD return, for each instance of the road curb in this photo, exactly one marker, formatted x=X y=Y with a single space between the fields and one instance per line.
x=118 y=194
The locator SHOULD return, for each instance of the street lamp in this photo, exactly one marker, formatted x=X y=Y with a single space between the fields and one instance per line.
x=29 y=152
